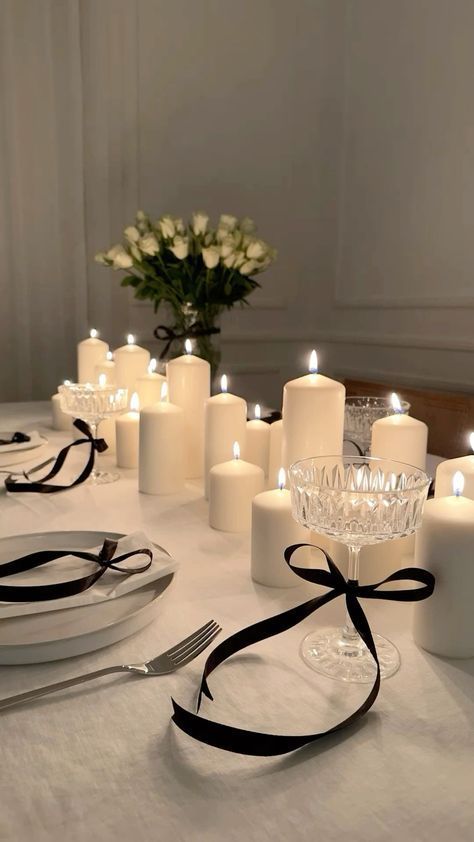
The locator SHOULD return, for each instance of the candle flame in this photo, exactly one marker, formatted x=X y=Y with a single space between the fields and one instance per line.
x=93 y=333
x=313 y=362
x=188 y=346
x=236 y=450
x=164 y=391
x=281 y=479
x=458 y=483
x=471 y=441
x=130 y=339
x=109 y=356
x=224 y=383
x=152 y=366
x=395 y=401
x=258 y=411
x=102 y=380
x=66 y=382
x=135 y=402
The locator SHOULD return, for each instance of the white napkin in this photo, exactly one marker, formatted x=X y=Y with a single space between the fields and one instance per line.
x=35 y=441
x=110 y=586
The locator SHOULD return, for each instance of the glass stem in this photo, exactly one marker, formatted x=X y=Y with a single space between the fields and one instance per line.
x=349 y=632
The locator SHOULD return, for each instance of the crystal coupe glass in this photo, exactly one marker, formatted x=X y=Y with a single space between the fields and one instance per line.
x=93 y=402
x=356 y=500
x=361 y=412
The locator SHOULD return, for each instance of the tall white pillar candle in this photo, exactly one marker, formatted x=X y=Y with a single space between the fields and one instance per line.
x=148 y=386
x=444 y=623
x=127 y=435
x=60 y=420
x=275 y=457
x=161 y=462
x=446 y=470
x=257 y=441
x=131 y=362
x=106 y=367
x=189 y=386
x=274 y=529
x=313 y=416
x=232 y=487
x=90 y=352
x=402 y=438
x=224 y=422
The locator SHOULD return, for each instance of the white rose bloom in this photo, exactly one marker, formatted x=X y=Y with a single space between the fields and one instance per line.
x=210 y=256
x=141 y=216
x=119 y=257
x=101 y=257
x=229 y=261
x=247 y=225
x=132 y=234
x=167 y=228
x=180 y=247
x=240 y=259
x=248 y=267
x=179 y=225
x=227 y=221
x=256 y=250
x=199 y=222
x=227 y=246
x=221 y=233
x=136 y=253
x=149 y=244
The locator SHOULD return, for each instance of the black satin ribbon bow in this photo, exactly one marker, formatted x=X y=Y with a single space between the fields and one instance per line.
x=256 y=743
x=42 y=486
x=17 y=438
x=38 y=593
x=168 y=334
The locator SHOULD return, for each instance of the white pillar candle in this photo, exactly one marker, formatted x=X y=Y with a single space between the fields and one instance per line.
x=106 y=430
x=127 y=435
x=274 y=529
x=90 y=352
x=60 y=419
x=232 y=487
x=131 y=362
x=446 y=470
x=444 y=623
x=189 y=385
x=257 y=441
x=148 y=386
x=106 y=367
x=275 y=457
x=161 y=462
x=402 y=438
x=313 y=416
x=225 y=422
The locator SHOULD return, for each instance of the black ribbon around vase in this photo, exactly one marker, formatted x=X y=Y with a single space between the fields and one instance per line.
x=43 y=486
x=243 y=741
x=17 y=438
x=37 y=593
x=169 y=334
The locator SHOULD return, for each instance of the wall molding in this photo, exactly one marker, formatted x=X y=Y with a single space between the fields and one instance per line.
x=434 y=343
x=424 y=381
x=405 y=303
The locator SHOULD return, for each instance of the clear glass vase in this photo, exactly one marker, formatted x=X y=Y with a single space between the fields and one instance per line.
x=202 y=327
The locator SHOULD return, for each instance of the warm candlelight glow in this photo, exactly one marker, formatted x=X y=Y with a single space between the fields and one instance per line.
x=67 y=382
x=130 y=339
x=281 y=479
x=395 y=401
x=164 y=391
x=188 y=346
x=93 y=333
x=134 y=402
x=313 y=362
x=152 y=366
x=102 y=380
x=236 y=450
x=224 y=383
x=458 y=483
x=109 y=356
x=471 y=441
x=258 y=411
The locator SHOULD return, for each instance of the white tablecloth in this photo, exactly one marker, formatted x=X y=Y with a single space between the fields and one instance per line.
x=104 y=762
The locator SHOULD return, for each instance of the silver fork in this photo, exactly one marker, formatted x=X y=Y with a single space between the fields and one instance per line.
x=173 y=659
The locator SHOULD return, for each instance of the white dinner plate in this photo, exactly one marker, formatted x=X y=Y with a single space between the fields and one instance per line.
x=13 y=454
x=53 y=635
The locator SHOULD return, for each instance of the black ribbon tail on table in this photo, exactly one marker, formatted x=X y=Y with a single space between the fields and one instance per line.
x=17 y=438
x=169 y=334
x=243 y=741
x=42 y=486
x=37 y=593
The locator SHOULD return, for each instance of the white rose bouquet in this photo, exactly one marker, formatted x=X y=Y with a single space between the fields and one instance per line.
x=196 y=269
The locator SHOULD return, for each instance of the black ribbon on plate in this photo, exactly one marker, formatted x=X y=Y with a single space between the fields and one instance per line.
x=169 y=334
x=17 y=438
x=256 y=743
x=42 y=485
x=37 y=593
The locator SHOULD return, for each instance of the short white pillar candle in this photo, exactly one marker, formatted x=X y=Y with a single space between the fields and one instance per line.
x=127 y=435
x=275 y=457
x=90 y=352
x=444 y=623
x=257 y=441
x=189 y=384
x=106 y=431
x=232 y=487
x=161 y=462
x=225 y=422
x=446 y=470
x=400 y=437
x=274 y=529
x=313 y=416
x=148 y=386
x=131 y=362
x=106 y=367
x=60 y=420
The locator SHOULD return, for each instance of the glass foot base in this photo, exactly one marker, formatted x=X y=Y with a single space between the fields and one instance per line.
x=327 y=651
x=102 y=477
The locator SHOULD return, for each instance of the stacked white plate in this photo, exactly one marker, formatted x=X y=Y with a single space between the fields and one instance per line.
x=12 y=454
